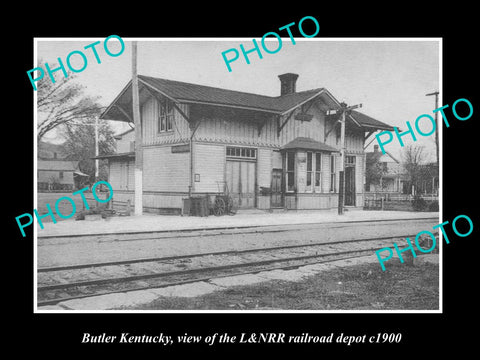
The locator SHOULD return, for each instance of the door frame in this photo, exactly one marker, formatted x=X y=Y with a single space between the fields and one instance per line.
x=352 y=196
x=254 y=176
x=280 y=190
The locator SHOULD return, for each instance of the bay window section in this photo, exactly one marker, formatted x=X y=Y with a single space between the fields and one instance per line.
x=290 y=173
x=333 y=187
x=318 y=172
x=309 y=172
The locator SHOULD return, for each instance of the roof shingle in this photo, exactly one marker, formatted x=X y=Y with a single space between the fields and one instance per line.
x=194 y=93
x=208 y=94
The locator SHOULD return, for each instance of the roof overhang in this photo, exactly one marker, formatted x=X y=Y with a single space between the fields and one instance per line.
x=129 y=155
x=303 y=143
x=121 y=107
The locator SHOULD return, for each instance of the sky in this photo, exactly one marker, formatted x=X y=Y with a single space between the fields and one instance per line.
x=389 y=77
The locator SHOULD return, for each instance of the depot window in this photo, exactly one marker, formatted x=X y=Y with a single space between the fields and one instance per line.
x=333 y=180
x=290 y=173
x=241 y=152
x=165 y=115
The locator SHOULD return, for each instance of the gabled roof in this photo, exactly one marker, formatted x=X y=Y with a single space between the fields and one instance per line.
x=305 y=143
x=369 y=122
x=116 y=156
x=56 y=165
x=186 y=92
x=182 y=92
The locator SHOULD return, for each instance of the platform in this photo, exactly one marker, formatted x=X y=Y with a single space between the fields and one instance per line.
x=245 y=218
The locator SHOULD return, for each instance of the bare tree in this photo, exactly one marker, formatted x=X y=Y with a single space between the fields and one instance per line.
x=374 y=170
x=413 y=156
x=62 y=102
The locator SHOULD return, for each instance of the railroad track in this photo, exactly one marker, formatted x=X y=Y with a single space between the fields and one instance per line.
x=57 y=284
x=212 y=231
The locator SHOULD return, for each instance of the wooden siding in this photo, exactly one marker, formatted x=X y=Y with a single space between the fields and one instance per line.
x=226 y=126
x=264 y=167
x=318 y=201
x=162 y=201
x=359 y=175
x=122 y=174
x=126 y=143
x=48 y=175
x=164 y=171
x=277 y=160
x=209 y=163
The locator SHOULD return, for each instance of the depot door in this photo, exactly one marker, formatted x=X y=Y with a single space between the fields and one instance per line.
x=241 y=183
x=276 y=189
x=350 y=181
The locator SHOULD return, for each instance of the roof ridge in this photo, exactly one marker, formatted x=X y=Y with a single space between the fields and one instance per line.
x=207 y=86
x=299 y=92
x=235 y=91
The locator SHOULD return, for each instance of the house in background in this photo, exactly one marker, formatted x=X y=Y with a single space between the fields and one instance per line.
x=393 y=179
x=266 y=152
x=53 y=171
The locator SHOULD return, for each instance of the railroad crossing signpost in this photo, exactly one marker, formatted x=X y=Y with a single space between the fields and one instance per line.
x=341 y=194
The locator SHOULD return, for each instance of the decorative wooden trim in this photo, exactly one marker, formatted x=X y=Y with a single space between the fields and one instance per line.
x=279 y=130
x=123 y=112
x=333 y=128
x=369 y=134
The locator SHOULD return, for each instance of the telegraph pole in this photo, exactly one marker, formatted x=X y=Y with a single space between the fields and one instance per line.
x=436 y=123
x=138 y=135
x=341 y=194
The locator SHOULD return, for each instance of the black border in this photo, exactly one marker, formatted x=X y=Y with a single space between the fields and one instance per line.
x=431 y=333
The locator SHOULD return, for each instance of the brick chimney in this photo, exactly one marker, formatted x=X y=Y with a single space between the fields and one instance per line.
x=287 y=83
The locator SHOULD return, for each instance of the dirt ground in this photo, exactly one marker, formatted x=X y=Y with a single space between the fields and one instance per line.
x=360 y=287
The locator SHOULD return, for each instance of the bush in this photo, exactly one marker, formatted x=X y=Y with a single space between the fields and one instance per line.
x=418 y=204
x=433 y=206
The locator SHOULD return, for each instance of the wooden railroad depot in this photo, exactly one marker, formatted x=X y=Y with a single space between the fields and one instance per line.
x=266 y=152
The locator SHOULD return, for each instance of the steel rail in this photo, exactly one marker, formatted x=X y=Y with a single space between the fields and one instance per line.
x=176 y=283
x=227 y=252
x=242 y=227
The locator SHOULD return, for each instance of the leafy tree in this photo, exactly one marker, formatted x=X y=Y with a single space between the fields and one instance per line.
x=80 y=145
x=62 y=102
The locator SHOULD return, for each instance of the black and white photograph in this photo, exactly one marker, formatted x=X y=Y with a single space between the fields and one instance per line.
x=219 y=181
x=185 y=186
